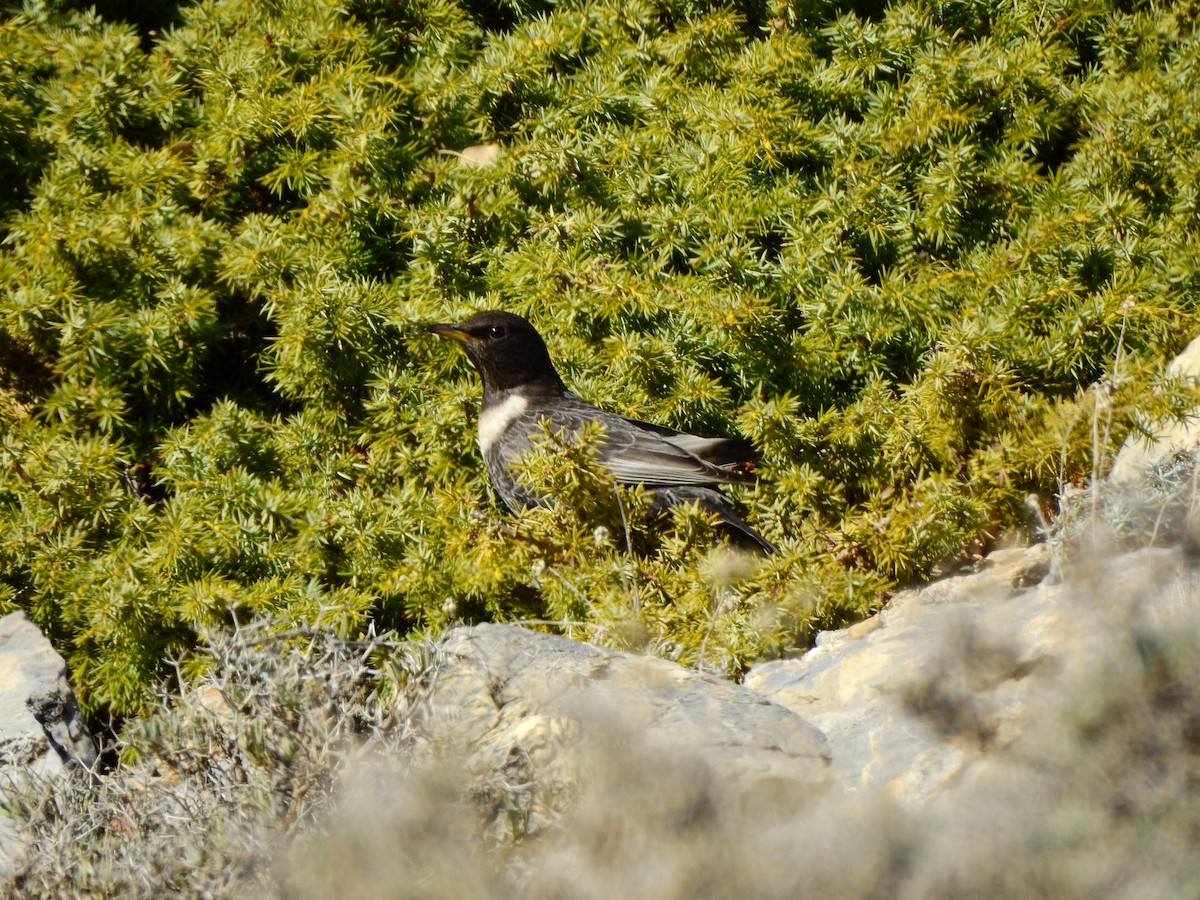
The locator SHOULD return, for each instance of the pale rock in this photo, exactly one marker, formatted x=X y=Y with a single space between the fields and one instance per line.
x=532 y=712
x=954 y=672
x=1171 y=441
x=898 y=709
x=42 y=734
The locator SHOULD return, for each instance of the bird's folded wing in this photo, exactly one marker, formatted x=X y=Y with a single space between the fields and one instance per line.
x=635 y=456
x=720 y=451
x=642 y=453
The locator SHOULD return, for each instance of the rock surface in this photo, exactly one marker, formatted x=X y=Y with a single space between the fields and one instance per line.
x=41 y=731
x=913 y=699
x=1142 y=457
x=531 y=707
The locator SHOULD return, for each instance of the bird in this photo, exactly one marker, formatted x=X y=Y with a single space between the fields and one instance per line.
x=522 y=389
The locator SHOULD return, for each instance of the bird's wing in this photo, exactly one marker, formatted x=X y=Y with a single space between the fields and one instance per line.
x=720 y=451
x=636 y=454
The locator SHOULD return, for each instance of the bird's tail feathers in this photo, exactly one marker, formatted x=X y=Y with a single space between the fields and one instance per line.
x=712 y=502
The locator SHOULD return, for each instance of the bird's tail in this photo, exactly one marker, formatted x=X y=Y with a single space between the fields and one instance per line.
x=713 y=502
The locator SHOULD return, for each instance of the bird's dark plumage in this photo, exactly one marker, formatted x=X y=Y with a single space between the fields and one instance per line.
x=521 y=389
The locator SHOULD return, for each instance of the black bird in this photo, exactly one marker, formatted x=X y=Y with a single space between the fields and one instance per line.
x=521 y=388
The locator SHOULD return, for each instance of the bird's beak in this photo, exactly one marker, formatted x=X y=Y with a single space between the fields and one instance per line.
x=453 y=332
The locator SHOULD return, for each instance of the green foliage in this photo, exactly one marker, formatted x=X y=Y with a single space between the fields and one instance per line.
x=893 y=245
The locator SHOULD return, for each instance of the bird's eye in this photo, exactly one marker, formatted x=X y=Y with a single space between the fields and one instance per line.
x=496 y=331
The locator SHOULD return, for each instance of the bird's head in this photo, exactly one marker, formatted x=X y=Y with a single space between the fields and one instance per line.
x=506 y=349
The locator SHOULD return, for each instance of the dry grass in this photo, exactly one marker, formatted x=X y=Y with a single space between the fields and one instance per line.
x=216 y=778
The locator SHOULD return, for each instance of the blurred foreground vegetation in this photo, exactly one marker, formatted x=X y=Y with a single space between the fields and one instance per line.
x=281 y=774
x=930 y=257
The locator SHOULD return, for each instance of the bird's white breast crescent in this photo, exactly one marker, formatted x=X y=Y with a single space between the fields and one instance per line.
x=494 y=421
